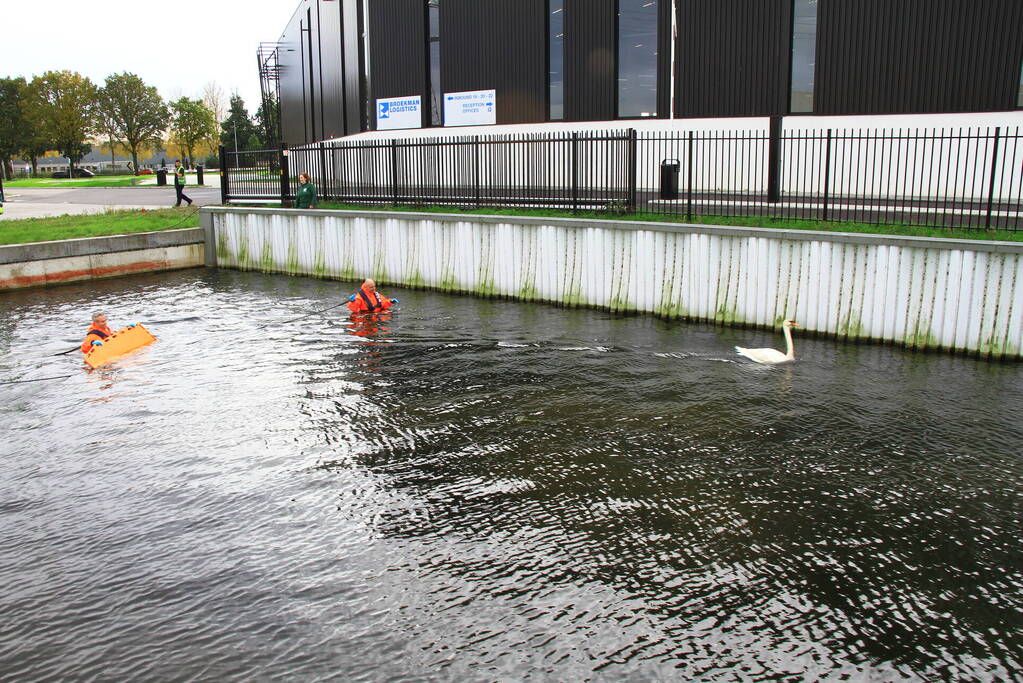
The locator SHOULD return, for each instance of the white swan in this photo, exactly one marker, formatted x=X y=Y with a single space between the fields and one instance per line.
x=771 y=356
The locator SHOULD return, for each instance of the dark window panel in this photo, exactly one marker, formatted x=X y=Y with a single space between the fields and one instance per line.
x=804 y=55
x=556 y=57
x=637 y=57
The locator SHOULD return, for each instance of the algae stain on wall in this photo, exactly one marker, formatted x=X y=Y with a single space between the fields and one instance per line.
x=266 y=261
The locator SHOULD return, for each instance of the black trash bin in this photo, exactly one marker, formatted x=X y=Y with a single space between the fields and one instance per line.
x=198 y=174
x=161 y=176
x=669 y=178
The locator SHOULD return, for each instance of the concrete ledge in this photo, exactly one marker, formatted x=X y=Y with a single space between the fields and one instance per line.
x=675 y=228
x=96 y=266
x=87 y=246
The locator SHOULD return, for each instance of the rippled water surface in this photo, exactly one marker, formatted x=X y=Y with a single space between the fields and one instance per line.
x=490 y=490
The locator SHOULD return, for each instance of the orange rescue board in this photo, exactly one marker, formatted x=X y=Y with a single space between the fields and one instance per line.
x=118 y=344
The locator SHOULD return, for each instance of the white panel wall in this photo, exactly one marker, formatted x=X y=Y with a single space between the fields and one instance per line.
x=921 y=292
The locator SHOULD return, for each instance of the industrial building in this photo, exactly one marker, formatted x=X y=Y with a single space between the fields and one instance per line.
x=343 y=67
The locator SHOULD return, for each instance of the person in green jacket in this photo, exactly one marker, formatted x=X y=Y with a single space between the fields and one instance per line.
x=305 y=195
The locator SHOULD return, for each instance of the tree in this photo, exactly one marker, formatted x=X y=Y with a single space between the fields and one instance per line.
x=193 y=123
x=237 y=127
x=106 y=124
x=269 y=117
x=64 y=103
x=15 y=129
x=213 y=98
x=135 y=113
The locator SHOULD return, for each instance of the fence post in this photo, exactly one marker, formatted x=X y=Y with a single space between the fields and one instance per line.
x=476 y=163
x=632 y=200
x=323 y=170
x=774 y=161
x=689 y=179
x=991 y=186
x=575 y=172
x=394 y=170
x=225 y=192
x=827 y=176
x=282 y=157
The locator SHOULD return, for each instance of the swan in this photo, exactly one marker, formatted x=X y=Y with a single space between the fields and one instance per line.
x=771 y=356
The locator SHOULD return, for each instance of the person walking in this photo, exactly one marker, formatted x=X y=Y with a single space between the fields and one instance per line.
x=305 y=196
x=179 y=182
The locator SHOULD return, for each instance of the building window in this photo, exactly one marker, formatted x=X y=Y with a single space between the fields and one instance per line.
x=637 y=58
x=436 y=95
x=1019 y=97
x=556 y=59
x=804 y=55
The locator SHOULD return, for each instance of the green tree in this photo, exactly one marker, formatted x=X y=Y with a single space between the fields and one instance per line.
x=35 y=144
x=64 y=104
x=269 y=117
x=237 y=126
x=135 y=113
x=193 y=124
x=15 y=129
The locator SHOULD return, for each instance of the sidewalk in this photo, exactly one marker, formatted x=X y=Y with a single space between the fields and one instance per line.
x=40 y=203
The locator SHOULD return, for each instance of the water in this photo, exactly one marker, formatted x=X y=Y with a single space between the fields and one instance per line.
x=489 y=490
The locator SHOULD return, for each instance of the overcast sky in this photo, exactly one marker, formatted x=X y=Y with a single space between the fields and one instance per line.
x=176 y=45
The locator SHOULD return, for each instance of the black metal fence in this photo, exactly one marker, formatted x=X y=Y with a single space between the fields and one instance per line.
x=966 y=178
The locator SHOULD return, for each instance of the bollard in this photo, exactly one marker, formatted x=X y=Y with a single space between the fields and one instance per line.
x=198 y=174
x=669 y=178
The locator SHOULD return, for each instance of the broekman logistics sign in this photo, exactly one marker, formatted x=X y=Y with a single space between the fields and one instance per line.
x=399 y=112
x=473 y=108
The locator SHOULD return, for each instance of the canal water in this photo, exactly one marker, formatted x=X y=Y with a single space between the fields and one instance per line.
x=490 y=490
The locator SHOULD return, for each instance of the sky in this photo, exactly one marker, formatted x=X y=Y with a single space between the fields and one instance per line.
x=176 y=45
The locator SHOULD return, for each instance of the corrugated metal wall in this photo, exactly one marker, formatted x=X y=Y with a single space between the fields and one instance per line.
x=591 y=88
x=293 y=78
x=397 y=40
x=664 y=61
x=353 y=66
x=331 y=75
x=733 y=57
x=917 y=56
x=500 y=44
x=918 y=292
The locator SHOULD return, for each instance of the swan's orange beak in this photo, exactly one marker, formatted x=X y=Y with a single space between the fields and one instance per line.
x=795 y=324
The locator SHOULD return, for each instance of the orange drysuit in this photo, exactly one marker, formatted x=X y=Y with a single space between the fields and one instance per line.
x=94 y=333
x=369 y=302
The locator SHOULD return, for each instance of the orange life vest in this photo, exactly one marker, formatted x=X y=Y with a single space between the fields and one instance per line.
x=370 y=302
x=93 y=334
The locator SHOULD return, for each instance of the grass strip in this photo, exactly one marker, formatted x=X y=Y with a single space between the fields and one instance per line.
x=899 y=229
x=25 y=230
x=99 y=181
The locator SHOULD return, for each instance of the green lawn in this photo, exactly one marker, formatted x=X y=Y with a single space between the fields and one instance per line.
x=98 y=181
x=111 y=223
x=738 y=221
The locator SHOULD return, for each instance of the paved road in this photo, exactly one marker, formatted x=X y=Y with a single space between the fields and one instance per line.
x=37 y=202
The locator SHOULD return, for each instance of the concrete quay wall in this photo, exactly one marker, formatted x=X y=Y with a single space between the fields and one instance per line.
x=958 y=295
x=49 y=263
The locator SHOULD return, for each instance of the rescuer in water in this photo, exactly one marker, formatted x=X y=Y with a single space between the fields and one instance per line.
x=98 y=332
x=369 y=300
